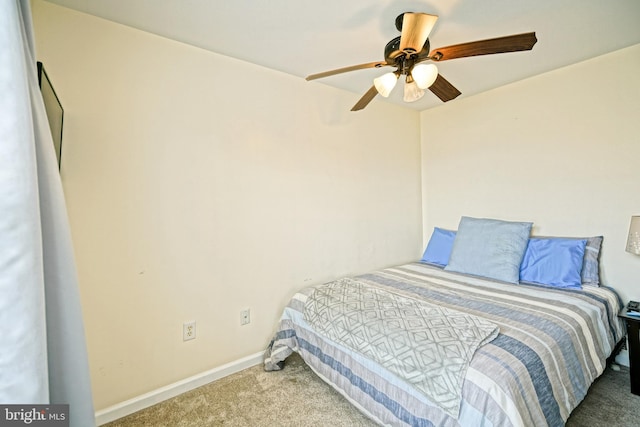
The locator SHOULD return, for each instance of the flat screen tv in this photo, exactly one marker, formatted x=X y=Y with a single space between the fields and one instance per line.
x=53 y=107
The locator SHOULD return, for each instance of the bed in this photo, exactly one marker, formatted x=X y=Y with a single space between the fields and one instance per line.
x=510 y=354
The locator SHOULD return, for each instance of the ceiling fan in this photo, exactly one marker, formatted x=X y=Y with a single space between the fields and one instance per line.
x=408 y=52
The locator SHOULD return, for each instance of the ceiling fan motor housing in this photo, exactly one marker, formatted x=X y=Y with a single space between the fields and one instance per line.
x=393 y=55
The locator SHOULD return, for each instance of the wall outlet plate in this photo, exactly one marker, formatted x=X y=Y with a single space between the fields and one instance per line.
x=245 y=317
x=189 y=331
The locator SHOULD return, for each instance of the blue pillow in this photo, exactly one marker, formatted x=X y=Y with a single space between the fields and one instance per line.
x=490 y=248
x=439 y=247
x=554 y=262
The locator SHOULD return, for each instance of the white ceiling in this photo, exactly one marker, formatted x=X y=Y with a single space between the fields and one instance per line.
x=302 y=37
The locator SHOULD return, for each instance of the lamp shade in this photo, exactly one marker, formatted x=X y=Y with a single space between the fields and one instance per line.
x=411 y=91
x=385 y=83
x=633 y=241
x=424 y=75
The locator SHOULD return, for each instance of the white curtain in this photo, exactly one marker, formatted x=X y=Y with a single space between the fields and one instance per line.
x=43 y=358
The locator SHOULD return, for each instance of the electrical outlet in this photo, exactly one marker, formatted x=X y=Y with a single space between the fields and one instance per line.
x=245 y=318
x=189 y=331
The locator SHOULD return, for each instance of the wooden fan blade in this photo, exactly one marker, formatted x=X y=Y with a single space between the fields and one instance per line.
x=378 y=64
x=443 y=89
x=514 y=43
x=416 y=27
x=366 y=99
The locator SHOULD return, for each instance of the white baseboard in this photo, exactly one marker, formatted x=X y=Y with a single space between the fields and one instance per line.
x=146 y=400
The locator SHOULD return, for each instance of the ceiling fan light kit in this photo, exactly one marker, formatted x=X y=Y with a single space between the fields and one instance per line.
x=424 y=75
x=408 y=51
x=411 y=91
x=385 y=83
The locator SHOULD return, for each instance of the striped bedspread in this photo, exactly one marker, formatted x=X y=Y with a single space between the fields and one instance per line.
x=552 y=345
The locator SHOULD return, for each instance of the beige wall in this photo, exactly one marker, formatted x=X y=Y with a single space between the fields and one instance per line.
x=198 y=185
x=561 y=150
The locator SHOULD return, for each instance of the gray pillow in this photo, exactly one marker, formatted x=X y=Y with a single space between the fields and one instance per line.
x=490 y=248
x=591 y=263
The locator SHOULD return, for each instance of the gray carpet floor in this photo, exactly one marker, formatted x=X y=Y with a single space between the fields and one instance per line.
x=295 y=396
